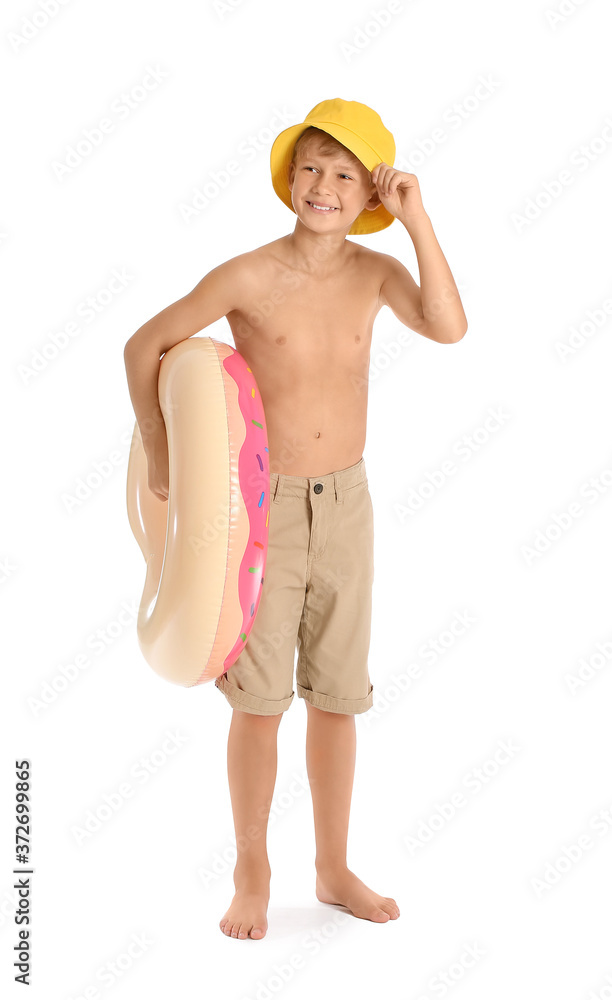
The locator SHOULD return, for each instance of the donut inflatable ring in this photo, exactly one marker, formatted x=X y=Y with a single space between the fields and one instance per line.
x=205 y=547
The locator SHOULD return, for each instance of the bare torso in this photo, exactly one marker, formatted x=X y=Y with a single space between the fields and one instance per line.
x=307 y=339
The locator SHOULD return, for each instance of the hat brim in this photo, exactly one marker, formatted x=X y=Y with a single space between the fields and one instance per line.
x=280 y=157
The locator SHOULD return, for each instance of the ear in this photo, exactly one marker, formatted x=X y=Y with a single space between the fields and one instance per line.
x=374 y=200
x=291 y=175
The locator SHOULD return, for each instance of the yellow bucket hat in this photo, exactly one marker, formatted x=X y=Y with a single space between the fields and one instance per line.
x=357 y=127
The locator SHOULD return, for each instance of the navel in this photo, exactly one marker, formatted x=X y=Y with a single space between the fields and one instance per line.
x=281 y=340
x=318 y=434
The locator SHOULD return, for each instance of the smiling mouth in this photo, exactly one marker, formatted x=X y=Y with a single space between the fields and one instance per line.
x=325 y=210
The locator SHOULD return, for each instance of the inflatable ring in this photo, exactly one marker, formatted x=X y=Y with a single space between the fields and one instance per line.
x=205 y=547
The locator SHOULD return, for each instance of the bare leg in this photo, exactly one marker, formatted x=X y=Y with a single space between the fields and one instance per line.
x=251 y=769
x=330 y=760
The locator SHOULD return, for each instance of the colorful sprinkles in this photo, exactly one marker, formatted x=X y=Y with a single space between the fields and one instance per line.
x=255 y=454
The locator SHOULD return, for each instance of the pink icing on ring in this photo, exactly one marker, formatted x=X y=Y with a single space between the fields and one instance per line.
x=254 y=481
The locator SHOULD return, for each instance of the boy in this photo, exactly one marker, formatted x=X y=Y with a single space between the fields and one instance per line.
x=301 y=310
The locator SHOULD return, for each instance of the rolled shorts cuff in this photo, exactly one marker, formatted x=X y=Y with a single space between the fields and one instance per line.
x=249 y=702
x=344 y=706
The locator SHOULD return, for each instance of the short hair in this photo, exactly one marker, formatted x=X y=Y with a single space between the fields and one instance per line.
x=328 y=145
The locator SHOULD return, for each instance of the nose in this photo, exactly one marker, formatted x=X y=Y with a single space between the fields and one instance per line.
x=320 y=185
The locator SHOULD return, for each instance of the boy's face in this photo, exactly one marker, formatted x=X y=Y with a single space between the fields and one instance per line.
x=335 y=181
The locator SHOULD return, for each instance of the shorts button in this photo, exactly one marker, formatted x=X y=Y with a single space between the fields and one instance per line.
x=318 y=487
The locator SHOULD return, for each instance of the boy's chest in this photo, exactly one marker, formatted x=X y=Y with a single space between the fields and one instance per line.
x=293 y=314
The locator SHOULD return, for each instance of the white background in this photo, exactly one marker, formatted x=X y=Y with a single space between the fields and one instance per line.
x=500 y=875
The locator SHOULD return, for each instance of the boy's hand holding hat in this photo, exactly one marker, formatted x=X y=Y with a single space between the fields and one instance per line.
x=398 y=191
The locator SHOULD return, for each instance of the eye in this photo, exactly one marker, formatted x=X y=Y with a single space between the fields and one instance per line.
x=346 y=175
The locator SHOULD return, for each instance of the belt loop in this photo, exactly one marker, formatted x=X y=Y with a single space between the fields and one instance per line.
x=278 y=492
x=338 y=488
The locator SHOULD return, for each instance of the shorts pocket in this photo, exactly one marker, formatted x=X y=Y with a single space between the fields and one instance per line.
x=358 y=488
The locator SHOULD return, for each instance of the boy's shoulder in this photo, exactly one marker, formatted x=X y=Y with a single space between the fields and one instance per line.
x=277 y=250
x=254 y=269
x=249 y=263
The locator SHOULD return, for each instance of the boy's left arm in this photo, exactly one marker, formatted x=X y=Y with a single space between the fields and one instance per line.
x=435 y=309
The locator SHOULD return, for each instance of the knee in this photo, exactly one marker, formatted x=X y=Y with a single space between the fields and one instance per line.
x=260 y=721
x=325 y=716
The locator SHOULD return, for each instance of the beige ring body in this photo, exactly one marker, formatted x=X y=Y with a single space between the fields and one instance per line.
x=205 y=548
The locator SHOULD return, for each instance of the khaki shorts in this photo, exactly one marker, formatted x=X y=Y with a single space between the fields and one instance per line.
x=316 y=596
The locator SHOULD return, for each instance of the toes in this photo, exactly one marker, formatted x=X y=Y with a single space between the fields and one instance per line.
x=381 y=916
x=239 y=930
x=392 y=908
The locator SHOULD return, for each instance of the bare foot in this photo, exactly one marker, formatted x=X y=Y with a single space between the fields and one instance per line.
x=246 y=915
x=341 y=886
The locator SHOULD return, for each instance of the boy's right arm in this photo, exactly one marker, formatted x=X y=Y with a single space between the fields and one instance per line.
x=211 y=299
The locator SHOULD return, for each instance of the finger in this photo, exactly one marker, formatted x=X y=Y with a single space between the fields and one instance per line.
x=381 y=171
x=384 y=180
x=393 y=180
